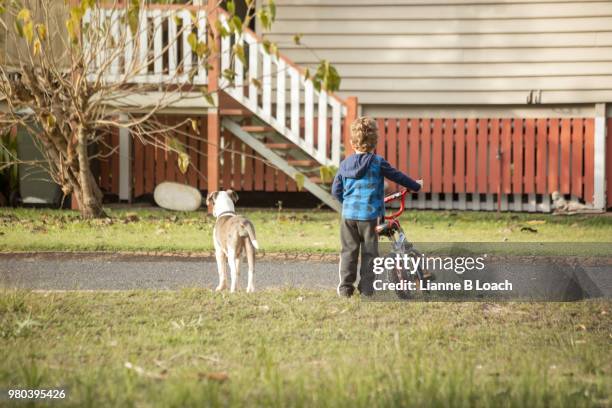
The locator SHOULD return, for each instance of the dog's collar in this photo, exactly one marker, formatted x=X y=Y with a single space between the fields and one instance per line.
x=226 y=213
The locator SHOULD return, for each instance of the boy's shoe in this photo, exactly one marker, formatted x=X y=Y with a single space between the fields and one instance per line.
x=365 y=290
x=345 y=292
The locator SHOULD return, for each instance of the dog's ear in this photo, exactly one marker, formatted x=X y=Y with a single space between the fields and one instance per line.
x=233 y=195
x=210 y=199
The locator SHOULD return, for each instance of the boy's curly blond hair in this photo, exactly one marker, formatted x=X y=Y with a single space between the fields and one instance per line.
x=364 y=134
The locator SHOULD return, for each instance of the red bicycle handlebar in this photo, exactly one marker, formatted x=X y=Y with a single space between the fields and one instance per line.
x=399 y=195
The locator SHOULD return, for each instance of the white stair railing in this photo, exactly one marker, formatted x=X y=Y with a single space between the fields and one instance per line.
x=280 y=94
x=158 y=53
x=269 y=85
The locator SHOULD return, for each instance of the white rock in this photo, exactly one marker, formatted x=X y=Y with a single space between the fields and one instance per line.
x=177 y=197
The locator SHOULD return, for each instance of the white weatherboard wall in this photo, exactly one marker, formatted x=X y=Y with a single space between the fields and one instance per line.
x=445 y=52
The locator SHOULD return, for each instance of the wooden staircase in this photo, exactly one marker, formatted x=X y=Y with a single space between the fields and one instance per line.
x=270 y=104
x=287 y=157
x=280 y=114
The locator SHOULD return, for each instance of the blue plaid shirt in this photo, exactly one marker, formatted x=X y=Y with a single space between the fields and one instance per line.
x=359 y=185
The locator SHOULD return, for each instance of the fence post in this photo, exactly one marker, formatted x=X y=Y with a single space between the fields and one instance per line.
x=599 y=190
x=125 y=156
x=214 y=125
x=351 y=115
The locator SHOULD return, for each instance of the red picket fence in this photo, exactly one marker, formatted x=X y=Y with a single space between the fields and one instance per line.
x=152 y=165
x=487 y=156
x=108 y=161
x=484 y=156
x=240 y=167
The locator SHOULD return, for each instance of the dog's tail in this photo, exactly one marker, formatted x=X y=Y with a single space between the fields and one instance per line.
x=247 y=230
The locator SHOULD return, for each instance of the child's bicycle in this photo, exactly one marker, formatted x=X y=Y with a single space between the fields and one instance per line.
x=391 y=228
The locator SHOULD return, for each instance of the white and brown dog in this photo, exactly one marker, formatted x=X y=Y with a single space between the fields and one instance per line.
x=232 y=234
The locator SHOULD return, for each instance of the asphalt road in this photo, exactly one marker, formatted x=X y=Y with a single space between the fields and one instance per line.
x=120 y=272
x=535 y=277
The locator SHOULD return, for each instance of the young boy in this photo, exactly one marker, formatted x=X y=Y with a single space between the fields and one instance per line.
x=359 y=186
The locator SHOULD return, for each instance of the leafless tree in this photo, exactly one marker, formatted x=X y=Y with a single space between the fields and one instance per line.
x=77 y=69
x=74 y=71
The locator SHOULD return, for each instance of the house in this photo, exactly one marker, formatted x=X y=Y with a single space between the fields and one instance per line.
x=495 y=104
x=503 y=96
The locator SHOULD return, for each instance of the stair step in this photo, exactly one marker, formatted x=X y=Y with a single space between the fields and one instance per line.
x=280 y=146
x=235 y=112
x=318 y=180
x=276 y=151
x=257 y=128
x=303 y=163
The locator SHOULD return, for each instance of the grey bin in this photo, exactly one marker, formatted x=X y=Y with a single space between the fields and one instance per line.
x=35 y=184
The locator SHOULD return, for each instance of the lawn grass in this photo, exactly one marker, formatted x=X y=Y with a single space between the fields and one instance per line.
x=300 y=231
x=303 y=348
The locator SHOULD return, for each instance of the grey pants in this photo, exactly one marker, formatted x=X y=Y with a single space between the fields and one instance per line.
x=357 y=237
